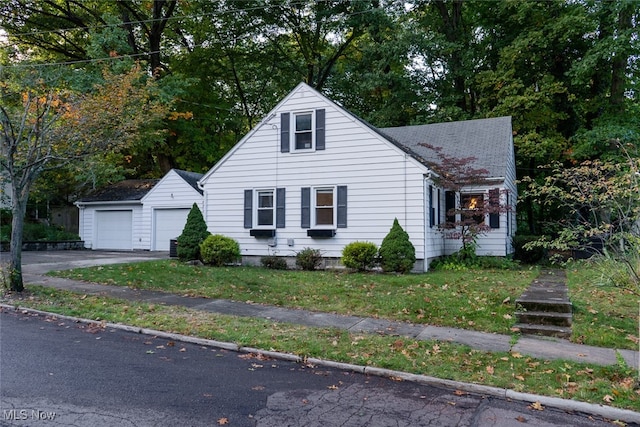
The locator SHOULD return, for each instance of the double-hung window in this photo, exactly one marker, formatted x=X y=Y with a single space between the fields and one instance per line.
x=473 y=207
x=303 y=131
x=265 y=208
x=264 y=211
x=324 y=207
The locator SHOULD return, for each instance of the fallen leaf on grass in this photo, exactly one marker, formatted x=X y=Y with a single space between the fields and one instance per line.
x=490 y=370
x=608 y=398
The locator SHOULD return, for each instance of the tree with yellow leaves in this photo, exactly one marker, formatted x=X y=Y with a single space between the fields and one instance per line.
x=45 y=127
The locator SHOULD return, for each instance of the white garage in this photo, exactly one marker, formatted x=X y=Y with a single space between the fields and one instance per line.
x=167 y=225
x=139 y=214
x=114 y=229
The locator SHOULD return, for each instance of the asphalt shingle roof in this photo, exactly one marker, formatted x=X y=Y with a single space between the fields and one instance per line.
x=486 y=140
x=129 y=189
x=191 y=178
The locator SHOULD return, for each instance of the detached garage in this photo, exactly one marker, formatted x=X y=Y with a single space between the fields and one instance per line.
x=166 y=206
x=139 y=214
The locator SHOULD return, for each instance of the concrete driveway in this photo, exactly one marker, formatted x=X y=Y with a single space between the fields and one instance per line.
x=40 y=262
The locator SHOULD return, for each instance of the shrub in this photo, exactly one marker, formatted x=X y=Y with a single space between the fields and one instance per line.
x=219 y=250
x=308 y=259
x=194 y=233
x=37 y=232
x=396 y=251
x=360 y=256
x=274 y=262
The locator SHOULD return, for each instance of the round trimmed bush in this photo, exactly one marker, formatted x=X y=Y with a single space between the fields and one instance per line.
x=219 y=250
x=360 y=256
x=397 y=253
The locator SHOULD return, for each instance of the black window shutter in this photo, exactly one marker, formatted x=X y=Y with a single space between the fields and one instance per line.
x=280 y=211
x=432 y=209
x=342 y=206
x=320 y=129
x=439 y=216
x=305 y=221
x=284 y=132
x=248 y=208
x=494 y=203
x=450 y=205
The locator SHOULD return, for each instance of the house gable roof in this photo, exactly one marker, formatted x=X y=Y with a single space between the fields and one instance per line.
x=190 y=178
x=487 y=141
x=123 y=191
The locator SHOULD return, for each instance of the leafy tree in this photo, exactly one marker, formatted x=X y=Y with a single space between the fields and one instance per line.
x=44 y=127
x=466 y=221
x=397 y=253
x=194 y=233
x=599 y=200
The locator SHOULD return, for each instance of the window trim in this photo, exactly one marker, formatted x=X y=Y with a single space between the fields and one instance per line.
x=257 y=208
x=314 y=207
x=294 y=132
x=482 y=197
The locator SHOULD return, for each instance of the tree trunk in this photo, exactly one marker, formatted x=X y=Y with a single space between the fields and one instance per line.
x=15 y=246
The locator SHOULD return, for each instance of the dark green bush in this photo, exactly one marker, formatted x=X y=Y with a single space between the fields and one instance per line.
x=5 y=216
x=36 y=232
x=360 y=256
x=527 y=256
x=308 y=259
x=194 y=233
x=397 y=253
x=274 y=262
x=219 y=250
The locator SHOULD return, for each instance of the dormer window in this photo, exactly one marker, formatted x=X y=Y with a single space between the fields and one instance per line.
x=302 y=131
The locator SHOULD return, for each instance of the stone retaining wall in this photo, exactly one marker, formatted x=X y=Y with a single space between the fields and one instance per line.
x=47 y=246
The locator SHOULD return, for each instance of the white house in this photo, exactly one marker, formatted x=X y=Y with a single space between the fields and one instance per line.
x=139 y=214
x=312 y=174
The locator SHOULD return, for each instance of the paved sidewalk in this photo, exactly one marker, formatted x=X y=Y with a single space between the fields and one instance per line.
x=540 y=347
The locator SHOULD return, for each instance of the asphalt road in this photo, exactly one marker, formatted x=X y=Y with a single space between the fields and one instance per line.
x=56 y=372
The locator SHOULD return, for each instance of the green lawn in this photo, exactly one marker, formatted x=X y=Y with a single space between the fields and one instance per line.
x=482 y=300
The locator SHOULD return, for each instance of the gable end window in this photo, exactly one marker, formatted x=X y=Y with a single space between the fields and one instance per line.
x=302 y=131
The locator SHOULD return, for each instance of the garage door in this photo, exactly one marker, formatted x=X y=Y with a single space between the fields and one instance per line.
x=114 y=230
x=168 y=224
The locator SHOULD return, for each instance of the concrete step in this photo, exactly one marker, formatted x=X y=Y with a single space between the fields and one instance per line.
x=546 y=330
x=550 y=305
x=544 y=318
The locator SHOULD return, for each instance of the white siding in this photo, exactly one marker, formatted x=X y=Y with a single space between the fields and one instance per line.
x=172 y=192
x=382 y=182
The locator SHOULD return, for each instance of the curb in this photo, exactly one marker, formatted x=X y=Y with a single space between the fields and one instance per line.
x=603 y=411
